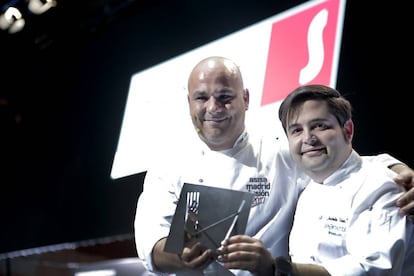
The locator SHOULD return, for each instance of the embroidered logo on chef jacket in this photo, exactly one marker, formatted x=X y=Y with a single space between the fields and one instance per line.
x=336 y=226
x=260 y=187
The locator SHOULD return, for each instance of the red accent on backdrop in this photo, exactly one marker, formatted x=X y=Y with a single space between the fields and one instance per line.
x=288 y=51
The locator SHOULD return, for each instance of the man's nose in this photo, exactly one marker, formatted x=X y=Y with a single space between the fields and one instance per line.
x=310 y=137
x=213 y=104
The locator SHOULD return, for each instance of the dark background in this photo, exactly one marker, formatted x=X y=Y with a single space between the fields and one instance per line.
x=65 y=79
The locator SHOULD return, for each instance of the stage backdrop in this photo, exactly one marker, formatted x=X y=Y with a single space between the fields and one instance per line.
x=298 y=46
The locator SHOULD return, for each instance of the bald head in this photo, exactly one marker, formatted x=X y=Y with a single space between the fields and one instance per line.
x=219 y=65
x=218 y=101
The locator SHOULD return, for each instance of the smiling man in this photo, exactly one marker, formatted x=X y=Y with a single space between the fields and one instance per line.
x=346 y=221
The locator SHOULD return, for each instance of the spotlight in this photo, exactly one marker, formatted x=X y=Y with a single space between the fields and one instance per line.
x=41 y=6
x=12 y=20
x=12 y=16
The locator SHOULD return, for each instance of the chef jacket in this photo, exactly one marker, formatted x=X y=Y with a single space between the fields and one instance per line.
x=350 y=224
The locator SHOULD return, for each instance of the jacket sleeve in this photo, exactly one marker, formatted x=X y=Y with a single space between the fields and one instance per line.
x=155 y=210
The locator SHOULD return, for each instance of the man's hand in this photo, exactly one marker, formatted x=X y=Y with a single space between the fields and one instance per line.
x=244 y=252
x=193 y=256
x=405 y=178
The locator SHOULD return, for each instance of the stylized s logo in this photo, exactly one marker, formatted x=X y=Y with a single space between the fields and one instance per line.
x=315 y=48
x=304 y=48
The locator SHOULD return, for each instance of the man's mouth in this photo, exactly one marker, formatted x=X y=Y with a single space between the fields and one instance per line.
x=313 y=151
x=218 y=120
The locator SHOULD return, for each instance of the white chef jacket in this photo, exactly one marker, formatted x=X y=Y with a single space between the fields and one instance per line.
x=259 y=165
x=350 y=224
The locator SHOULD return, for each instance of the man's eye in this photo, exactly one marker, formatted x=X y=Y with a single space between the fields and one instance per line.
x=224 y=97
x=321 y=126
x=201 y=98
x=294 y=131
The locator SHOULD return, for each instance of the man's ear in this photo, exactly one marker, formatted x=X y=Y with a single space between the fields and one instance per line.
x=349 y=129
x=246 y=97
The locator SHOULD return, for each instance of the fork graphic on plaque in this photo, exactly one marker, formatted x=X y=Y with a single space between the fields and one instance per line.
x=209 y=215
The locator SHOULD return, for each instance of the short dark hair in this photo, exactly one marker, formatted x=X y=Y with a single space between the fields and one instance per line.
x=338 y=106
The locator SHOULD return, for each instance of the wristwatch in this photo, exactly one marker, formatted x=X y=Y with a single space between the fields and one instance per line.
x=283 y=267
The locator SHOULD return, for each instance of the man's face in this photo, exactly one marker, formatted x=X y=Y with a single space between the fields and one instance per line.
x=316 y=140
x=218 y=103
